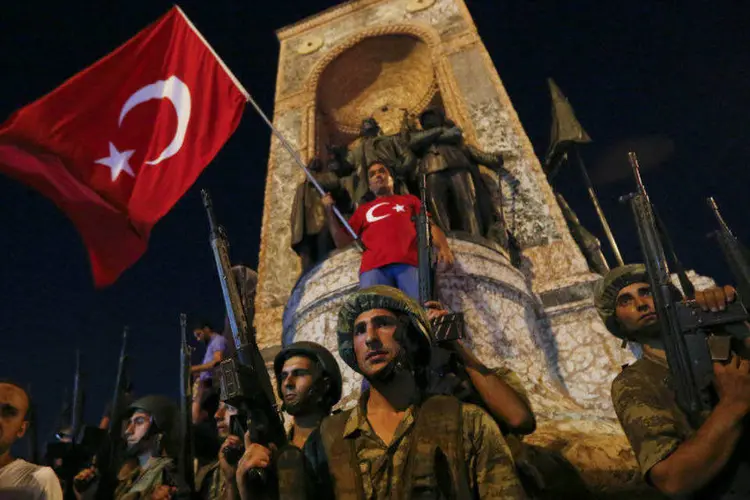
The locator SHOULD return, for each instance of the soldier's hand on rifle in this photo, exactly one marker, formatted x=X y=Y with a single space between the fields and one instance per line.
x=256 y=457
x=328 y=201
x=163 y=492
x=732 y=381
x=230 y=442
x=83 y=478
x=435 y=309
x=715 y=298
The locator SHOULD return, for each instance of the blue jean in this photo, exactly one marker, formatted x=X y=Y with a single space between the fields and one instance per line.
x=401 y=276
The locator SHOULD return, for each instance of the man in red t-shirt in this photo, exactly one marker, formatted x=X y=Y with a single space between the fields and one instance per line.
x=387 y=229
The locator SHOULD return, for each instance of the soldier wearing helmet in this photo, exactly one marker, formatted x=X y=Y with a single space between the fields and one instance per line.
x=309 y=384
x=675 y=455
x=396 y=442
x=149 y=471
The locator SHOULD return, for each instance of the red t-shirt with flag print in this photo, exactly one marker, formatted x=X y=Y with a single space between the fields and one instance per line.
x=386 y=227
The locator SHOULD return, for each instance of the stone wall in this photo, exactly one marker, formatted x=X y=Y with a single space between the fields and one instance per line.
x=474 y=98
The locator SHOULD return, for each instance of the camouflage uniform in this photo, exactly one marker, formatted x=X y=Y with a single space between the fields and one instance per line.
x=210 y=482
x=382 y=470
x=383 y=467
x=140 y=483
x=643 y=396
x=648 y=412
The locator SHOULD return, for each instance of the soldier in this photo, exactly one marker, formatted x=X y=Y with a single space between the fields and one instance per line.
x=20 y=479
x=215 y=480
x=395 y=443
x=456 y=371
x=309 y=384
x=675 y=456
x=498 y=390
x=149 y=472
x=388 y=233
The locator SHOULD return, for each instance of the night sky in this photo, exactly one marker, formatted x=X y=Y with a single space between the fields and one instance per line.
x=674 y=82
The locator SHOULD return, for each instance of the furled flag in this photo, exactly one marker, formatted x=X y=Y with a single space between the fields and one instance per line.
x=565 y=126
x=119 y=143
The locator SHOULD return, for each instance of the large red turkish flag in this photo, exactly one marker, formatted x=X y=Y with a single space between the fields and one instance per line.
x=119 y=143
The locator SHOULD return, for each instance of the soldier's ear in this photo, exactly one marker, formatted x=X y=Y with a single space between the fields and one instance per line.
x=22 y=430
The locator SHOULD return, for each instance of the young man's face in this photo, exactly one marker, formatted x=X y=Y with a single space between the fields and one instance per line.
x=202 y=334
x=296 y=379
x=14 y=405
x=222 y=417
x=137 y=428
x=375 y=345
x=634 y=307
x=380 y=180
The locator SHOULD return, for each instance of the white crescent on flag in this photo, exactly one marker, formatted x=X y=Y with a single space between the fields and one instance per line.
x=178 y=94
x=371 y=217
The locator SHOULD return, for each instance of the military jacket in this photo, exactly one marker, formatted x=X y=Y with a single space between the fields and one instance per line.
x=381 y=469
x=140 y=483
x=210 y=482
x=644 y=400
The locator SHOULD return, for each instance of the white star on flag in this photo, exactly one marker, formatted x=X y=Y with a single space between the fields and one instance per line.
x=117 y=162
x=399 y=208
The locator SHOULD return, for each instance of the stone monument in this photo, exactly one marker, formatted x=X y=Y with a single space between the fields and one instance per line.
x=381 y=57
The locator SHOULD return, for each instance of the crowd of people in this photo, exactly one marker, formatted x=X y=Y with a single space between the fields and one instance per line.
x=432 y=420
x=410 y=435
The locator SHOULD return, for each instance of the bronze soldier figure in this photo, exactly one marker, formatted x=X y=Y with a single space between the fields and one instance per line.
x=459 y=198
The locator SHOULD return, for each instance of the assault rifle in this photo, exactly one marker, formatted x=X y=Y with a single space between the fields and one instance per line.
x=108 y=448
x=692 y=338
x=77 y=407
x=185 y=462
x=243 y=379
x=450 y=326
x=735 y=254
x=424 y=246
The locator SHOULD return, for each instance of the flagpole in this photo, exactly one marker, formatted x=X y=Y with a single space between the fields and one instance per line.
x=597 y=207
x=276 y=132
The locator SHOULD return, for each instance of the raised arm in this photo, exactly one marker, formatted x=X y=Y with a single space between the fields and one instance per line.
x=341 y=237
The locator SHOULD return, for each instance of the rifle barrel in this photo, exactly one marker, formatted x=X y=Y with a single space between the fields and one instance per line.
x=717 y=214
x=633 y=158
x=114 y=413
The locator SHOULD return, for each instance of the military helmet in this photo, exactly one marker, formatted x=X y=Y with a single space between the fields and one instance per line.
x=163 y=410
x=322 y=356
x=605 y=294
x=392 y=299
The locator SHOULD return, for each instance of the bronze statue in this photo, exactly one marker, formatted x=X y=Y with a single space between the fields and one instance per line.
x=459 y=200
x=391 y=150
x=311 y=239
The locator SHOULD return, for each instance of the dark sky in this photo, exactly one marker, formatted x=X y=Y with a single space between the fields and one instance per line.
x=674 y=79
